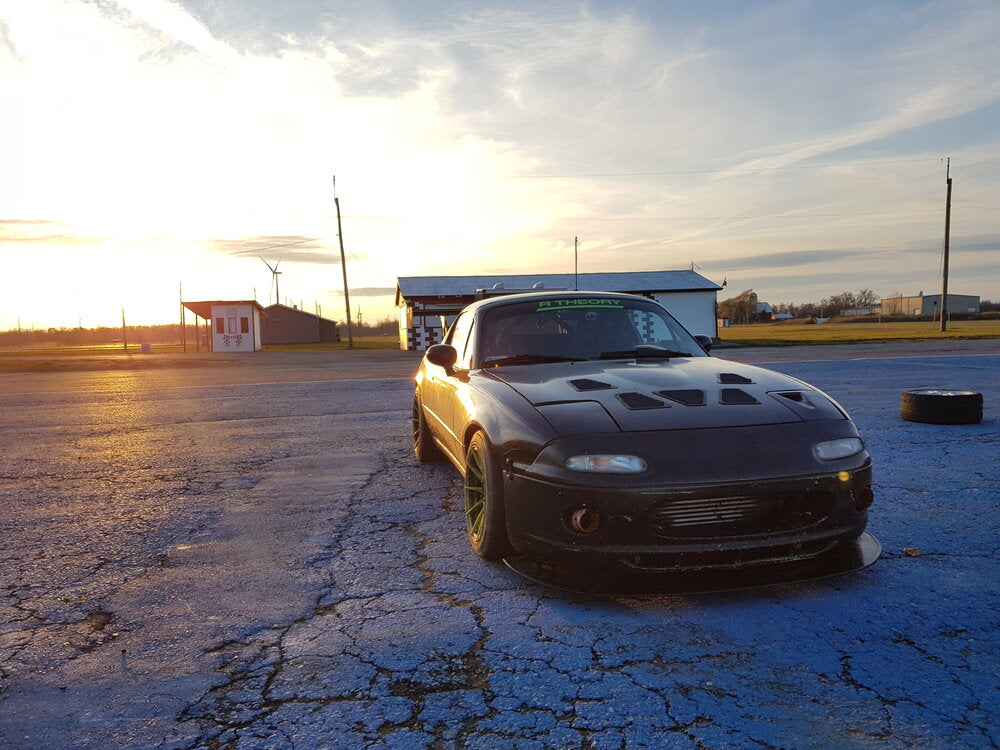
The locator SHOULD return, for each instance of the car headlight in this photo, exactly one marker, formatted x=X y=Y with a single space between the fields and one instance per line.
x=841 y=448
x=606 y=464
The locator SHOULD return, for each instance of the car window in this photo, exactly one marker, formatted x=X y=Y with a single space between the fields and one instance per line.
x=465 y=353
x=579 y=327
x=653 y=329
x=458 y=336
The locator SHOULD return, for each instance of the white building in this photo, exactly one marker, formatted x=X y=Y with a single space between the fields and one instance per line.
x=428 y=304
x=234 y=325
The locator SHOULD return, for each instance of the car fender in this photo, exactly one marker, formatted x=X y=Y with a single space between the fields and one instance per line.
x=515 y=428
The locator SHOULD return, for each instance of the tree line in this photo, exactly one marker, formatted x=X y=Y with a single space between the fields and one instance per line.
x=743 y=307
x=154 y=334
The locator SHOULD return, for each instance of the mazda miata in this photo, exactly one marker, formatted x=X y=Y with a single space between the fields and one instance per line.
x=593 y=430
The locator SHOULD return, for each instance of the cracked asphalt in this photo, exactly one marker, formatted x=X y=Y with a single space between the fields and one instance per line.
x=188 y=563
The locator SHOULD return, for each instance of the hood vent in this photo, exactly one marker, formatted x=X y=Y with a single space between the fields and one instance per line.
x=792 y=396
x=641 y=401
x=731 y=378
x=736 y=396
x=586 y=384
x=688 y=396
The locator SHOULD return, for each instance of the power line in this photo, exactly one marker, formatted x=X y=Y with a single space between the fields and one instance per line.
x=286 y=244
x=987 y=168
x=718 y=171
x=737 y=218
x=259 y=250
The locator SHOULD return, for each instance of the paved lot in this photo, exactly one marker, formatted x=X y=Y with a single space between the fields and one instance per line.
x=193 y=560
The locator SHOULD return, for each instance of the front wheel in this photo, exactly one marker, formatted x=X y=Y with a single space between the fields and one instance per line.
x=485 y=517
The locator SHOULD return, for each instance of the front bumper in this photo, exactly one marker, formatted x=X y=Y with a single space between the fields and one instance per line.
x=693 y=527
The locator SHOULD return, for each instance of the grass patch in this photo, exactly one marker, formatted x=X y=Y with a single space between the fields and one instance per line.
x=770 y=334
x=360 y=342
x=363 y=342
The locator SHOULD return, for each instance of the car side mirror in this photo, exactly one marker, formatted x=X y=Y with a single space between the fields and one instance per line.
x=443 y=355
x=705 y=341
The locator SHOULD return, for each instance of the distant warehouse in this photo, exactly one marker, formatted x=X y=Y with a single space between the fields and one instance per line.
x=428 y=304
x=927 y=304
x=290 y=325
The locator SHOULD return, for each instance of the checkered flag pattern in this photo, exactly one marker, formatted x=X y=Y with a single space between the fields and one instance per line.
x=419 y=338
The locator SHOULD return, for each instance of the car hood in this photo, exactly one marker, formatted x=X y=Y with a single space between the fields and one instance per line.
x=679 y=393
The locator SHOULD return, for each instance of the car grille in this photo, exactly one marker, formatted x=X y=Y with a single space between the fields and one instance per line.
x=730 y=559
x=739 y=515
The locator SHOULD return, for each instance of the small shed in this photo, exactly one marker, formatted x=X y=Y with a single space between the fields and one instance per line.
x=235 y=324
x=290 y=325
x=428 y=304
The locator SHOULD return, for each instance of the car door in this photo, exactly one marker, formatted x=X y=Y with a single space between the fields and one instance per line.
x=454 y=402
x=436 y=391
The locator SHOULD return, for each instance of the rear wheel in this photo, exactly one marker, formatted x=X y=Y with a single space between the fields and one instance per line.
x=941 y=406
x=423 y=444
x=485 y=517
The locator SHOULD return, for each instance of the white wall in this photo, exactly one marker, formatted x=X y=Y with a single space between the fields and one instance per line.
x=233 y=338
x=694 y=310
x=418 y=332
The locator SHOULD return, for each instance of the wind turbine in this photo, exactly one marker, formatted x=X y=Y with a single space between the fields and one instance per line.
x=275 y=273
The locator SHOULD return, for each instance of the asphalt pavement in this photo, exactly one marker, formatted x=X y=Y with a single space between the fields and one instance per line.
x=187 y=562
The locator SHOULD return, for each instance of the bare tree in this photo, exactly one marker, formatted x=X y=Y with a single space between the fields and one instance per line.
x=740 y=309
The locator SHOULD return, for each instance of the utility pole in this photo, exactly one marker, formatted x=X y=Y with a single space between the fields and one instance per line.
x=184 y=345
x=947 y=238
x=343 y=266
x=124 y=334
x=576 y=266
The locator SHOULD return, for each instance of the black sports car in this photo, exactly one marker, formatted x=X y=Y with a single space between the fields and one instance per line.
x=593 y=430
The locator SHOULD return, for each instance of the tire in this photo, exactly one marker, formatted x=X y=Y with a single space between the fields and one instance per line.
x=485 y=516
x=941 y=406
x=423 y=444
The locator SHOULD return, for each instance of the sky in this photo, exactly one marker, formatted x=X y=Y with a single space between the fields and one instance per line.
x=155 y=149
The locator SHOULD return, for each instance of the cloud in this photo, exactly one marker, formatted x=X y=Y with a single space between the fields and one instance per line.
x=5 y=41
x=7 y=224
x=159 y=125
x=938 y=65
x=174 y=22
x=40 y=231
x=365 y=291
x=985 y=243
x=797 y=258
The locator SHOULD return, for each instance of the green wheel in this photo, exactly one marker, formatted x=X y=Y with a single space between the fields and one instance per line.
x=485 y=518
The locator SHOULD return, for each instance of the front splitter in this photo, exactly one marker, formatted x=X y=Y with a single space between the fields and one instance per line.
x=630 y=582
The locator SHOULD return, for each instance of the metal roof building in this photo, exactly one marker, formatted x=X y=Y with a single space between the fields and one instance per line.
x=290 y=325
x=428 y=304
x=928 y=304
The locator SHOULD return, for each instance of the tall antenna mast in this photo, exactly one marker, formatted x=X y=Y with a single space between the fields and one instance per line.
x=180 y=298
x=947 y=237
x=343 y=266
x=576 y=266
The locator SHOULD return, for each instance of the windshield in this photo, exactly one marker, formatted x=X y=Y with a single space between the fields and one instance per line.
x=573 y=328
